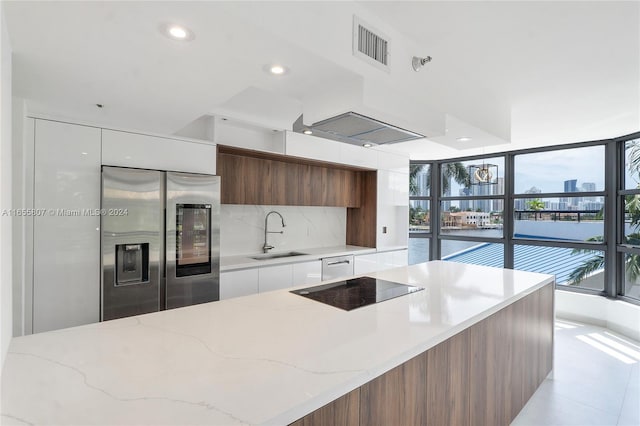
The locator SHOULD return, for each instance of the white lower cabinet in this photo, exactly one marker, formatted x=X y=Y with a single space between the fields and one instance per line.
x=365 y=264
x=275 y=277
x=268 y=278
x=238 y=283
x=307 y=272
x=369 y=263
x=400 y=258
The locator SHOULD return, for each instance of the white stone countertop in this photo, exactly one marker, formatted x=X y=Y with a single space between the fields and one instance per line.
x=268 y=358
x=231 y=263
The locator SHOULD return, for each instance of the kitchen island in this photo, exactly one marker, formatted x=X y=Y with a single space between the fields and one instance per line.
x=474 y=344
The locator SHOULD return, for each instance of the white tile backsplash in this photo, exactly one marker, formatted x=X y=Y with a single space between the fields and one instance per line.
x=242 y=228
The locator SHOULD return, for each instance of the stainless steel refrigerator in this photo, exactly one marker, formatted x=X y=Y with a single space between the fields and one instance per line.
x=160 y=240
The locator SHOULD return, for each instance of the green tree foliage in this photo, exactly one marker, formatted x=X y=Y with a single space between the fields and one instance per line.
x=455 y=171
x=535 y=205
x=632 y=204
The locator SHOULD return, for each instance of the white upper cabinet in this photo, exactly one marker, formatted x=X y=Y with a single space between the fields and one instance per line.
x=393 y=161
x=126 y=149
x=393 y=209
x=315 y=148
x=66 y=242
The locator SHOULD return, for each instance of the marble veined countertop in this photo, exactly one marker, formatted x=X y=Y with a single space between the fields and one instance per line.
x=268 y=358
x=230 y=263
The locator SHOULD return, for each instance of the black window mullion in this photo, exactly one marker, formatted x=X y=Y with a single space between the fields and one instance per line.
x=434 y=247
x=507 y=212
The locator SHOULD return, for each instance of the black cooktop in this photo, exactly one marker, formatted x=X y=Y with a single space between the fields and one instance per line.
x=356 y=292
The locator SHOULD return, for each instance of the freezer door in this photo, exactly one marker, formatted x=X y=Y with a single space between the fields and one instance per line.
x=193 y=239
x=132 y=241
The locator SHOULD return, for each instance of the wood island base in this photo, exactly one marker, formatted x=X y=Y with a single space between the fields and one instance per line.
x=483 y=375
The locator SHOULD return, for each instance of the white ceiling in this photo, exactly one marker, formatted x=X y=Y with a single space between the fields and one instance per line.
x=509 y=74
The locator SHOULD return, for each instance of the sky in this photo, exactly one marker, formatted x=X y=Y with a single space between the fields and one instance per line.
x=548 y=170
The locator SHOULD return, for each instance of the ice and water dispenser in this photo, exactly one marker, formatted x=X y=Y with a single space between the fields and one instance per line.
x=132 y=264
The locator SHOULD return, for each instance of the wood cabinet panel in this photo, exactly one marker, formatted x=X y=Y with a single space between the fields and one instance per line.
x=344 y=411
x=481 y=376
x=546 y=318
x=362 y=221
x=397 y=397
x=495 y=372
x=296 y=193
x=272 y=181
x=447 y=399
x=512 y=352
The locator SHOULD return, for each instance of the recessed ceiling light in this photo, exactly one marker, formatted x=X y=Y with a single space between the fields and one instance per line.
x=464 y=139
x=177 y=32
x=84 y=153
x=275 y=69
x=307 y=132
x=367 y=145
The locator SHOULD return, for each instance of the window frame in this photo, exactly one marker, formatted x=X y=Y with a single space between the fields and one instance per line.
x=613 y=232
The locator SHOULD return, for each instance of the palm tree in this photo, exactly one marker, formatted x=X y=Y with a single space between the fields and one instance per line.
x=535 y=205
x=414 y=169
x=596 y=263
x=455 y=171
x=590 y=266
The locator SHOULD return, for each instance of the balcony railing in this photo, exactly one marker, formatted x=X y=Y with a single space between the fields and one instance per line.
x=559 y=215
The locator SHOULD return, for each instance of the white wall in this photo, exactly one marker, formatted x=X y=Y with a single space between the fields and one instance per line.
x=560 y=229
x=19 y=222
x=616 y=315
x=5 y=191
x=242 y=228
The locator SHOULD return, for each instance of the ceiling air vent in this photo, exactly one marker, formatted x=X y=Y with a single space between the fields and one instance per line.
x=370 y=44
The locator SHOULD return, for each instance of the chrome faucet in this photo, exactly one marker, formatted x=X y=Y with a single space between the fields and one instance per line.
x=266 y=247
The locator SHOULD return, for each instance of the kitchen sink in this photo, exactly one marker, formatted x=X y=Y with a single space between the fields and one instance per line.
x=277 y=255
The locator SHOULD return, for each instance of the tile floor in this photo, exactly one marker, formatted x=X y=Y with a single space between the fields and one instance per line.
x=596 y=380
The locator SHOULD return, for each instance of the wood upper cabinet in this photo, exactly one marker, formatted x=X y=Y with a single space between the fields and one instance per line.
x=250 y=177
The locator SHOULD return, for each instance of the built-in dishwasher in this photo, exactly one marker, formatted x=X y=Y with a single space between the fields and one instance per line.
x=337 y=267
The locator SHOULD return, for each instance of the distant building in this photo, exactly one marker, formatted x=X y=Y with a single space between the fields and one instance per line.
x=467 y=219
x=569 y=203
x=422 y=182
x=588 y=187
x=465 y=204
x=521 y=203
x=571 y=185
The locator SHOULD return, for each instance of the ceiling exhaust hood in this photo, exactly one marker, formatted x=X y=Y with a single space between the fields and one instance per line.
x=358 y=129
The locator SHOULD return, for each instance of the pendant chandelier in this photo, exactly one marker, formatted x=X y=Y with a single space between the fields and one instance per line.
x=483 y=174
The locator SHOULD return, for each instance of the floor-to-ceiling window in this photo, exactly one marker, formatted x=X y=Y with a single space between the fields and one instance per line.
x=419 y=212
x=629 y=198
x=572 y=211
x=558 y=214
x=471 y=210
